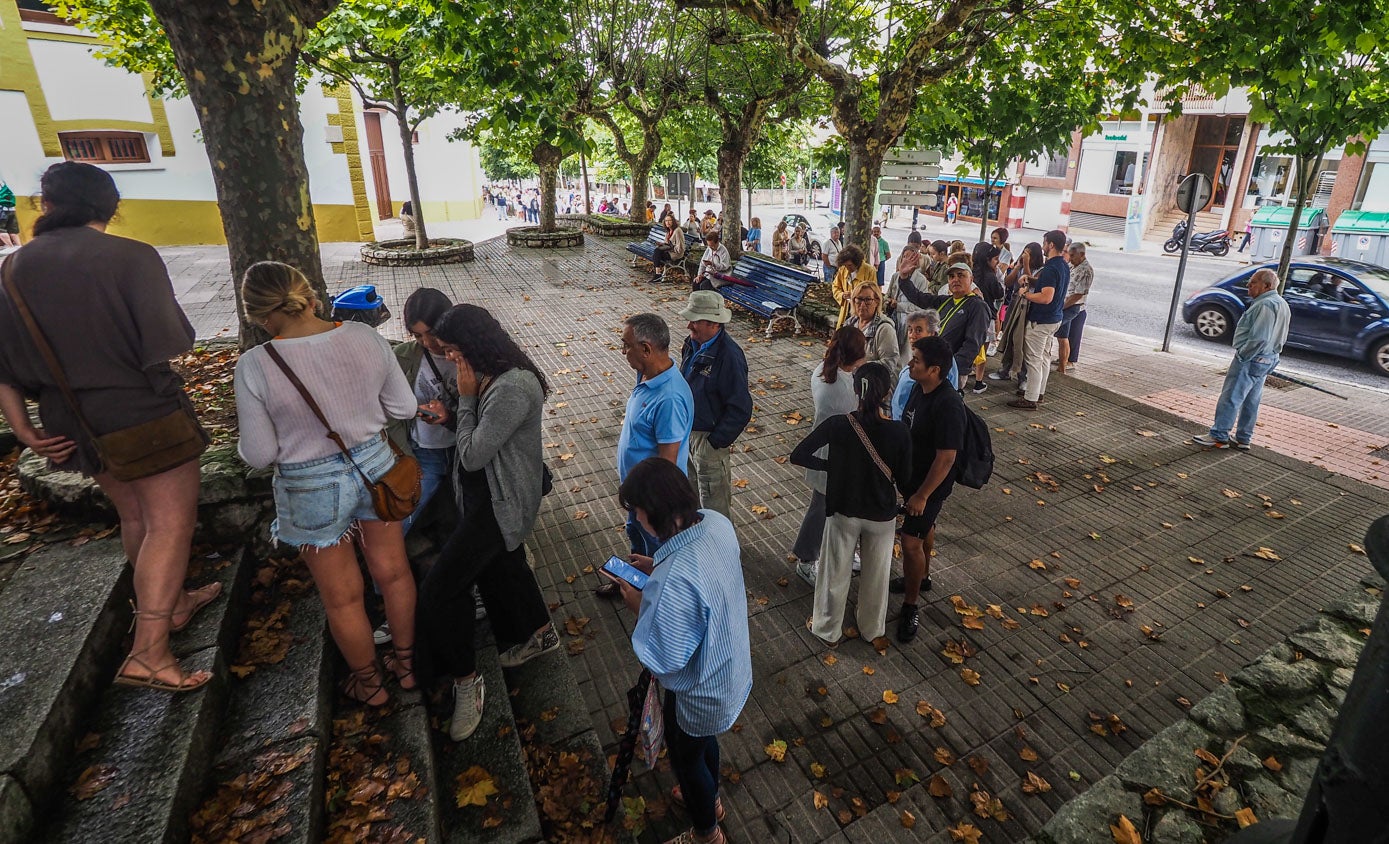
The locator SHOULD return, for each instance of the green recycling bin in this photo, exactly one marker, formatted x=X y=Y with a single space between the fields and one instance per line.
x=1362 y=236
x=1270 y=226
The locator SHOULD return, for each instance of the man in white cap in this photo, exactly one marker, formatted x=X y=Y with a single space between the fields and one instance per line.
x=717 y=372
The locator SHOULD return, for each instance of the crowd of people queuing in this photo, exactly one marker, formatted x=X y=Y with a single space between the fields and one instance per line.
x=333 y=408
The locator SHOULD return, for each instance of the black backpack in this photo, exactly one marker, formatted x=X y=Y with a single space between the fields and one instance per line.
x=974 y=465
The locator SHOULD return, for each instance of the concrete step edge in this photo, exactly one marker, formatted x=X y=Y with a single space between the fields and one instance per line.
x=152 y=750
x=76 y=603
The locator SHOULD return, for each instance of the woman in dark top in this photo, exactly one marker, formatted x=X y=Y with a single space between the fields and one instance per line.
x=861 y=503
x=106 y=306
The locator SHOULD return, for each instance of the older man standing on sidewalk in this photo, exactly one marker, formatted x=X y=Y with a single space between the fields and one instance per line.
x=658 y=418
x=1045 y=300
x=1259 y=338
x=717 y=372
x=1082 y=276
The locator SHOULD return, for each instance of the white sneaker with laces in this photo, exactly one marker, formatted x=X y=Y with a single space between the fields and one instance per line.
x=807 y=570
x=468 y=698
x=382 y=634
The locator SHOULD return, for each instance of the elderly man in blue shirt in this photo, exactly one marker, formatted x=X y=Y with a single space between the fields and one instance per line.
x=1259 y=338
x=660 y=414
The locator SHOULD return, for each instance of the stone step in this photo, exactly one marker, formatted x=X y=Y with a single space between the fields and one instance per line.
x=545 y=694
x=70 y=605
x=274 y=741
x=510 y=816
x=142 y=763
x=417 y=809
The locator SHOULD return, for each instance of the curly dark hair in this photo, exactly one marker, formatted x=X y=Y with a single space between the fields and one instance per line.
x=487 y=347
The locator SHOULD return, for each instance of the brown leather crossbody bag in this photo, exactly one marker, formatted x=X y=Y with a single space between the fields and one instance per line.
x=130 y=453
x=397 y=493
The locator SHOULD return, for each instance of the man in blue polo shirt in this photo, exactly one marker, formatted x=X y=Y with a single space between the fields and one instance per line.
x=660 y=414
x=1046 y=299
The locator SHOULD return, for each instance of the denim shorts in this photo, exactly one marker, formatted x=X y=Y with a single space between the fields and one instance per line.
x=317 y=502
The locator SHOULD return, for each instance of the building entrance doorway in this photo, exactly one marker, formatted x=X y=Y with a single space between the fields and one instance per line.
x=1215 y=152
x=376 y=155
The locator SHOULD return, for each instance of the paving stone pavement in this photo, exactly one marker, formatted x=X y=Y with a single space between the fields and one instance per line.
x=1101 y=519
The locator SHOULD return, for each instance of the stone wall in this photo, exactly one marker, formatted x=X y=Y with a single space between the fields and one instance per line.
x=1251 y=746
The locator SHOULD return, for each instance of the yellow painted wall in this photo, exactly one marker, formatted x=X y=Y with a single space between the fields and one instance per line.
x=168 y=222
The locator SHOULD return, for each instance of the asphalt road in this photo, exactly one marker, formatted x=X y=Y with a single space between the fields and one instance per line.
x=1132 y=294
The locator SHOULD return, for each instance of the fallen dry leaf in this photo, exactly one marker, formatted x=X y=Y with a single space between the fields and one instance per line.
x=776 y=751
x=908 y=819
x=966 y=833
x=1273 y=764
x=1033 y=784
x=1027 y=754
x=475 y=785
x=1267 y=554
x=820 y=800
x=944 y=756
x=889 y=696
x=1124 y=832
x=939 y=788
x=970 y=676
x=1244 y=817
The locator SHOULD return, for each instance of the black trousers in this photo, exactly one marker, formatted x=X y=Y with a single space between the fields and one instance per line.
x=445 y=617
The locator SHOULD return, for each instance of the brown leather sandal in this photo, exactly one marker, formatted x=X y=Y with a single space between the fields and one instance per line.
x=202 y=596
x=189 y=683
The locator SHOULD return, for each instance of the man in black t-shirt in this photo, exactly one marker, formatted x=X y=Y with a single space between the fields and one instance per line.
x=936 y=416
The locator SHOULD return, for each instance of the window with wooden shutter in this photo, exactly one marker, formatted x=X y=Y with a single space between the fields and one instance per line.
x=105 y=147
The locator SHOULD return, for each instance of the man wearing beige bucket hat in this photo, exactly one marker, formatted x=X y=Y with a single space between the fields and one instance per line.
x=717 y=372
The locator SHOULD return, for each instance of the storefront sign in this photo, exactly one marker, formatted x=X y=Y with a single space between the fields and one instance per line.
x=1116 y=137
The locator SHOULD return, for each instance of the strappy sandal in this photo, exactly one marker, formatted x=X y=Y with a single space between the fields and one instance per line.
x=202 y=596
x=401 y=663
x=364 y=684
x=189 y=683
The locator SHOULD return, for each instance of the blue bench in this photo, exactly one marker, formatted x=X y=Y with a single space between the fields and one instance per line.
x=646 y=250
x=770 y=288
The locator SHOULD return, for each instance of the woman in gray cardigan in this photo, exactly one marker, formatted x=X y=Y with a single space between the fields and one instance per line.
x=497 y=483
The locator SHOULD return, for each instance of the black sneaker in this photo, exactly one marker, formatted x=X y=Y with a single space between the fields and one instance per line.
x=908 y=623
x=979 y=387
x=898 y=585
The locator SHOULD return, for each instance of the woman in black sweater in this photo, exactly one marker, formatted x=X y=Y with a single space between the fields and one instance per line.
x=860 y=502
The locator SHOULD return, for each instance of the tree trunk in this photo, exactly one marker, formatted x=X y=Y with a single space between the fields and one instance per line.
x=1306 y=176
x=407 y=147
x=583 y=166
x=731 y=155
x=547 y=157
x=250 y=122
x=860 y=191
x=987 y=172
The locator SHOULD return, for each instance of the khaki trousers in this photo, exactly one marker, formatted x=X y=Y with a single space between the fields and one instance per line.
x=711 y=474
x=874 y=541
x=1039 y=341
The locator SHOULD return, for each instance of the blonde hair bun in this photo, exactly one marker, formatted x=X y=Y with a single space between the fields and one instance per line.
x=271 y=286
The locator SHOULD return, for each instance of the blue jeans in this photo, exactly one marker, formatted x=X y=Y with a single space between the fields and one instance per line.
x=642 y=542
x=435 y=466
x=1244 y=387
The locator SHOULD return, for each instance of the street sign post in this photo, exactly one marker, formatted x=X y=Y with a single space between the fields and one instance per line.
x=910 y=200
x=910 y=178
x=1192 y=195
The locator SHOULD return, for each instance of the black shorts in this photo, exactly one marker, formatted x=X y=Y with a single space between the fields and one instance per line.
x=9 y=221
x=919 y=526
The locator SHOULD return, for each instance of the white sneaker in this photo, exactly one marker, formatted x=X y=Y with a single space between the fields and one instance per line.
x=382 y=634
x=539 y=643
x=467 y=707
x=858 y=562
x=808 y=570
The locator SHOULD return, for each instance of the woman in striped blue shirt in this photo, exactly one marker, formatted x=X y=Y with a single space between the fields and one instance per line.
x=691 y=632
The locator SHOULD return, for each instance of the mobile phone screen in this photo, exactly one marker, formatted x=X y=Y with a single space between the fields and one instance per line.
x=622 y=570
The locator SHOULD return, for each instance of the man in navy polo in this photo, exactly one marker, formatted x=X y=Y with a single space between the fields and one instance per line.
x=660 y=414
x=1046 y=299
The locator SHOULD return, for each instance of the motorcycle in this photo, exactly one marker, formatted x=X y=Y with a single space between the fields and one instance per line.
x=1215 y=242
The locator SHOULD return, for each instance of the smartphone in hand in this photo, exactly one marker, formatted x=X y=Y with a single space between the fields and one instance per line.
x=617 y=568
x=428 y=415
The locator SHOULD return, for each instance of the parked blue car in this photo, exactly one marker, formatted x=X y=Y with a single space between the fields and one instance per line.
x=1339 y=307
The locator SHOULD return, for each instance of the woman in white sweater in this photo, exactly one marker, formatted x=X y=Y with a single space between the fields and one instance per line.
x=321 y=501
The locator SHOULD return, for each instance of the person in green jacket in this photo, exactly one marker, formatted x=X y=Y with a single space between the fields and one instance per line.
x=9 y=221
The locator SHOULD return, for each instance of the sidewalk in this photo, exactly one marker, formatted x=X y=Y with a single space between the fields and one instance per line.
x=1109 y=569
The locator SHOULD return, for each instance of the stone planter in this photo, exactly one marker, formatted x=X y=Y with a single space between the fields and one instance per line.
x=402 y=253
x=234 y=503
x=607 y=225
x=531 y=237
